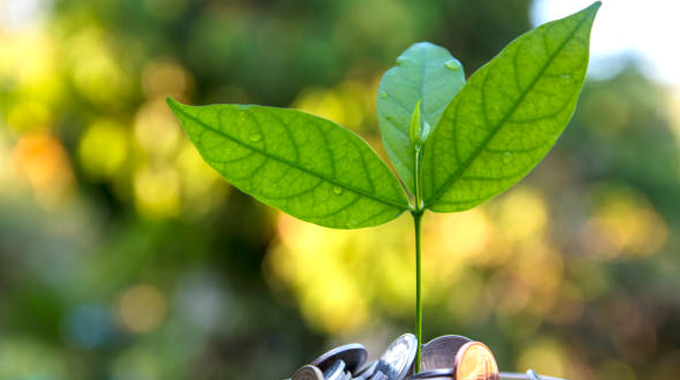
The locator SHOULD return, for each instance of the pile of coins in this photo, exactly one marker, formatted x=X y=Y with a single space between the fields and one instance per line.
x=448 y=357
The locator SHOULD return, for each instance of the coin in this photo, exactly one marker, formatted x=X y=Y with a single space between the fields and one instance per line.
x=379 y=376
x=433 y=373
x=398 y=359
x=354 y=355
x=308 y=372
x=367 y=371
x=474 y=361
x=335 y=371
x=441 y=352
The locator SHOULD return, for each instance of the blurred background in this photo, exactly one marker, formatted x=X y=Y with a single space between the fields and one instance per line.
x=123 y=256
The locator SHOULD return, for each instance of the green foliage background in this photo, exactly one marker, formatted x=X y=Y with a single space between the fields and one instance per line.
x=123 y=256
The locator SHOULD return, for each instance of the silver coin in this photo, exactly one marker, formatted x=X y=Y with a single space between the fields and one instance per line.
x=441 y=352
x=379 y=376
x=398 y=359
x=433 y=373
x=367 y=371
x=308 y=372
x=335 y=371
x=354 y=355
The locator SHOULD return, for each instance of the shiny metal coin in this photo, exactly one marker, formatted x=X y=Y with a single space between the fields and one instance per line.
x=433 y=373
x=367 y=371
x=441 y=352
x=335 y=371
x=474 y=361
x=354 y=355
x=398 y=359
x=308 y=372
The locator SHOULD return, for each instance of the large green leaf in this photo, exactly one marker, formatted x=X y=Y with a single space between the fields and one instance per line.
x=508 y=116
x=425 y=73
x=304 y=165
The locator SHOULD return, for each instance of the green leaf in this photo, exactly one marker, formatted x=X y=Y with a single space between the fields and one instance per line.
x=304 y=165
x=416 y=124
x=508 y=116
x=425 y=73
x=419 y=128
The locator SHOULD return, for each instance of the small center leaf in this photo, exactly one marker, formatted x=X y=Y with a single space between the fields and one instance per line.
x=425 y=73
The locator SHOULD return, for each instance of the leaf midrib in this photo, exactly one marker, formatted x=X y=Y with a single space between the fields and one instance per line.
x=456 y=176
x=277 y=158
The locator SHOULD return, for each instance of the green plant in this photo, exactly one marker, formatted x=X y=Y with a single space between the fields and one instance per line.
x=453 y=144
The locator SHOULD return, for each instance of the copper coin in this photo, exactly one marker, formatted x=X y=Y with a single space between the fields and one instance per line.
x=474 y=361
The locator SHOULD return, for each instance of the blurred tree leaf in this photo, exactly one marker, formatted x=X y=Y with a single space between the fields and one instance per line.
x=425 y=73
x=304 y=165
x=508 y=116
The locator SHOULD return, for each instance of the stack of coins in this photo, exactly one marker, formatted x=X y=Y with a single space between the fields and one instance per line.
x=348 y=362
x=456 y=357
x=448 y=357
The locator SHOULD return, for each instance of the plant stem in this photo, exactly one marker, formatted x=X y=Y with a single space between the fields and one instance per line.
x=417 y=214
x=417 y=218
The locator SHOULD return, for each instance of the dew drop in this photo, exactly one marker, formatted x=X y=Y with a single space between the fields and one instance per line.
x=452 y=64
x=400 y=61
x=255 y=137
x=337 y=190
x=565 y=76
x=507 y=158
x=383 y=94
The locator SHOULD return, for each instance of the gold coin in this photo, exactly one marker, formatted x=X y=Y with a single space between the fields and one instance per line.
x=474 y=361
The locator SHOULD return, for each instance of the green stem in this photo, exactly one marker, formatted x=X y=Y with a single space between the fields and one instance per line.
x=417 y=218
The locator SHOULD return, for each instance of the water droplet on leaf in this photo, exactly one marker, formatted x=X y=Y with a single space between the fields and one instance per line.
x=383 y=94
x=337 y=190
x=255 y=137
x=452 y=64
x=507 y=157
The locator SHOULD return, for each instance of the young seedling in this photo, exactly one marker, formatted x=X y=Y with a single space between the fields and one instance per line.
x=453 y=144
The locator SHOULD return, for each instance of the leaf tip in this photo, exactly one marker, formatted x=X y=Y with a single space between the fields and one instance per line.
x=593 y=8
x=172 y=103
x=423 y=45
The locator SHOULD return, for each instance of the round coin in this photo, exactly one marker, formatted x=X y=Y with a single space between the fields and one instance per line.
x=398 y=359
x=433 y=373
x=336 y=371
x=474 y=361
x=367 y=371
x=441 y=352
x=308 y=372
x=354 y=355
